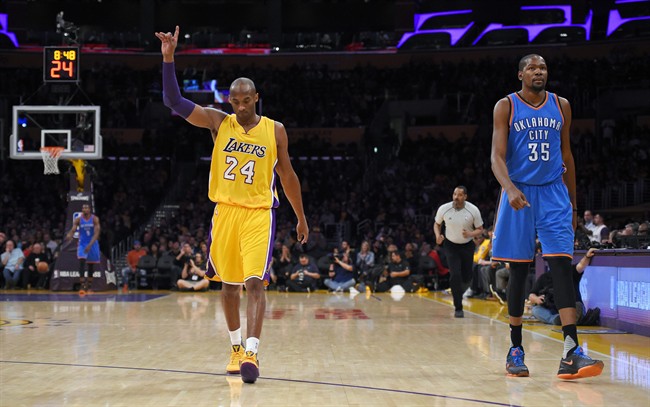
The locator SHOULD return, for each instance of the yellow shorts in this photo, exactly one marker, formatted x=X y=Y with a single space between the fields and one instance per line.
x=241 y=244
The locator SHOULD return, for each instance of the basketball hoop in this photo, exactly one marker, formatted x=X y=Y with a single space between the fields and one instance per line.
x=51 y=158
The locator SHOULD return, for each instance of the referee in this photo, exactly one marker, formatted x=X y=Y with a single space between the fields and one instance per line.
x=462 y=223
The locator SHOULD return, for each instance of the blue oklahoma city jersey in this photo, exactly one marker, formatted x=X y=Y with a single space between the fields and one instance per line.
x=534 y=154
x=534 y=162
x=86 y=232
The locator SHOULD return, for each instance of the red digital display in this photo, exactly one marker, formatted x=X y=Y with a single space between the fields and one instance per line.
x=61 y=64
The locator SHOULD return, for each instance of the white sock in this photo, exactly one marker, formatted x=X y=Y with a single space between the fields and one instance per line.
x=235 y=337
x=568 y=345
x=252 y=344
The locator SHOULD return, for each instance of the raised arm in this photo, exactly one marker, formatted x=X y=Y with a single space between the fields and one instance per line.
x=290 y=182
x=199 y=116
x=516 y=198
x=567 y=157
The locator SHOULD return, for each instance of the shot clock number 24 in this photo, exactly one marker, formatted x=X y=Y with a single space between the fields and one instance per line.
x=61 y=64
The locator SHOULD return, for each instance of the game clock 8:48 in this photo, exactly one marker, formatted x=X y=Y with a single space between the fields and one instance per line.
x=61 y=64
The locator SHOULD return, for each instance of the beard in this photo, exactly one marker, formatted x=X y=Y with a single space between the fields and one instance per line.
x=537 y=87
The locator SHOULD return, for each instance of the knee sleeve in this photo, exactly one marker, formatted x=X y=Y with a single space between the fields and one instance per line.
x=91 y=270
x=82 y=268
x=517 y=288
x=563 y=289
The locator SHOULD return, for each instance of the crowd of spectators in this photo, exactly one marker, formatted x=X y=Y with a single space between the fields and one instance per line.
x=326 y=96
x=380 y=200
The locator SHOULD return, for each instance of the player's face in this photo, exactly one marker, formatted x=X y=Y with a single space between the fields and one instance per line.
x=243 y=104
x=85 y=210
x=459 y=197
x=535 y=74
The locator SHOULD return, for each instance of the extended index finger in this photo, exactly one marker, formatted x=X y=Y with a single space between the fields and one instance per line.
x=178 y=30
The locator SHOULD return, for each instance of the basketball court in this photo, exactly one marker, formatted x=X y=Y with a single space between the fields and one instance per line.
x=170 y=349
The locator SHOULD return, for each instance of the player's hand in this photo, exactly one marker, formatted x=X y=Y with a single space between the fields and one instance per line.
x=87 y=249
x=541 y=299
x=517 y=199
x=591 y=252
x=440 y=238
x=302 y=231
x=168 y=43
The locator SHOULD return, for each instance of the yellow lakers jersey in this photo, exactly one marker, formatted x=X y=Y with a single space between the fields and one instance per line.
x=242 y=171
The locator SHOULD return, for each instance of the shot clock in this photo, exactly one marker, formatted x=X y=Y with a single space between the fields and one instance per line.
x=61 y=64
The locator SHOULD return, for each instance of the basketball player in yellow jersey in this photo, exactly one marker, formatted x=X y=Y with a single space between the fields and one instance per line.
x=249 y=150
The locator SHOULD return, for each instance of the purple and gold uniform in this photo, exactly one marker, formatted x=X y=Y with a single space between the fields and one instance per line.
x=242 y=184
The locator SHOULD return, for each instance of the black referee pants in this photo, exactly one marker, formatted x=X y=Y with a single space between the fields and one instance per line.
x=460 y=258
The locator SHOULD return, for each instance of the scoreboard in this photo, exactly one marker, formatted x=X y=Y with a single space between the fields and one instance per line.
x=61 y=64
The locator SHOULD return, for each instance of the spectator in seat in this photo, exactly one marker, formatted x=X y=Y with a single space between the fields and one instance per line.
x=37 y=255
x=132 y=258
x=192 y=275
x=542 y=293
x=397 y=272
x=304 y=276
x=341 y=273
x=600 y=233
x=317 y=244
x=12 y=260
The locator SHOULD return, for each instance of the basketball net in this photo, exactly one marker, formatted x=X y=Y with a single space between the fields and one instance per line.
x=51 y=159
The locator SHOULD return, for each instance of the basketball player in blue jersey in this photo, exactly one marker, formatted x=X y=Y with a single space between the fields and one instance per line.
x=87 y=246
x=249 y=151
x=532 y=160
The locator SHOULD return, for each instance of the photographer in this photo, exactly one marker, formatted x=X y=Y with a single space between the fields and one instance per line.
x=364 y=265
x=341 y=273
x=304 y=276
x=192 y=275
x=542 y=294
x=397 y=272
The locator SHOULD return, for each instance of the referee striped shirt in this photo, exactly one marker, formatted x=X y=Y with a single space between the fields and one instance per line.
x=468 y=218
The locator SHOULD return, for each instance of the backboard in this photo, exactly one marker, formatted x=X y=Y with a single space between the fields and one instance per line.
x=75 y=128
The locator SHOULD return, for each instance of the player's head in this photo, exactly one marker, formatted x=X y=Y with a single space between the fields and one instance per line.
x=242 y=98
x=85 y=209
x=533 y=72
x=460 y=195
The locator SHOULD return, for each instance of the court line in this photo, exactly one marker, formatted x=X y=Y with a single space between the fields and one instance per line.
x=277 y=379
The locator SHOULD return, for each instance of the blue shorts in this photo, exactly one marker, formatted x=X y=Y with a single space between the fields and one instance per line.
x=93 y=254
x=549 y=218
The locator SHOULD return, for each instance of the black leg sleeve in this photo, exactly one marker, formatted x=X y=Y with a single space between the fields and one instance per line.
x=517 y=288
x=563 y=289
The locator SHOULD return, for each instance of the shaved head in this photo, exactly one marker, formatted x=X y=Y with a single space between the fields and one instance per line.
x=243 y=85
